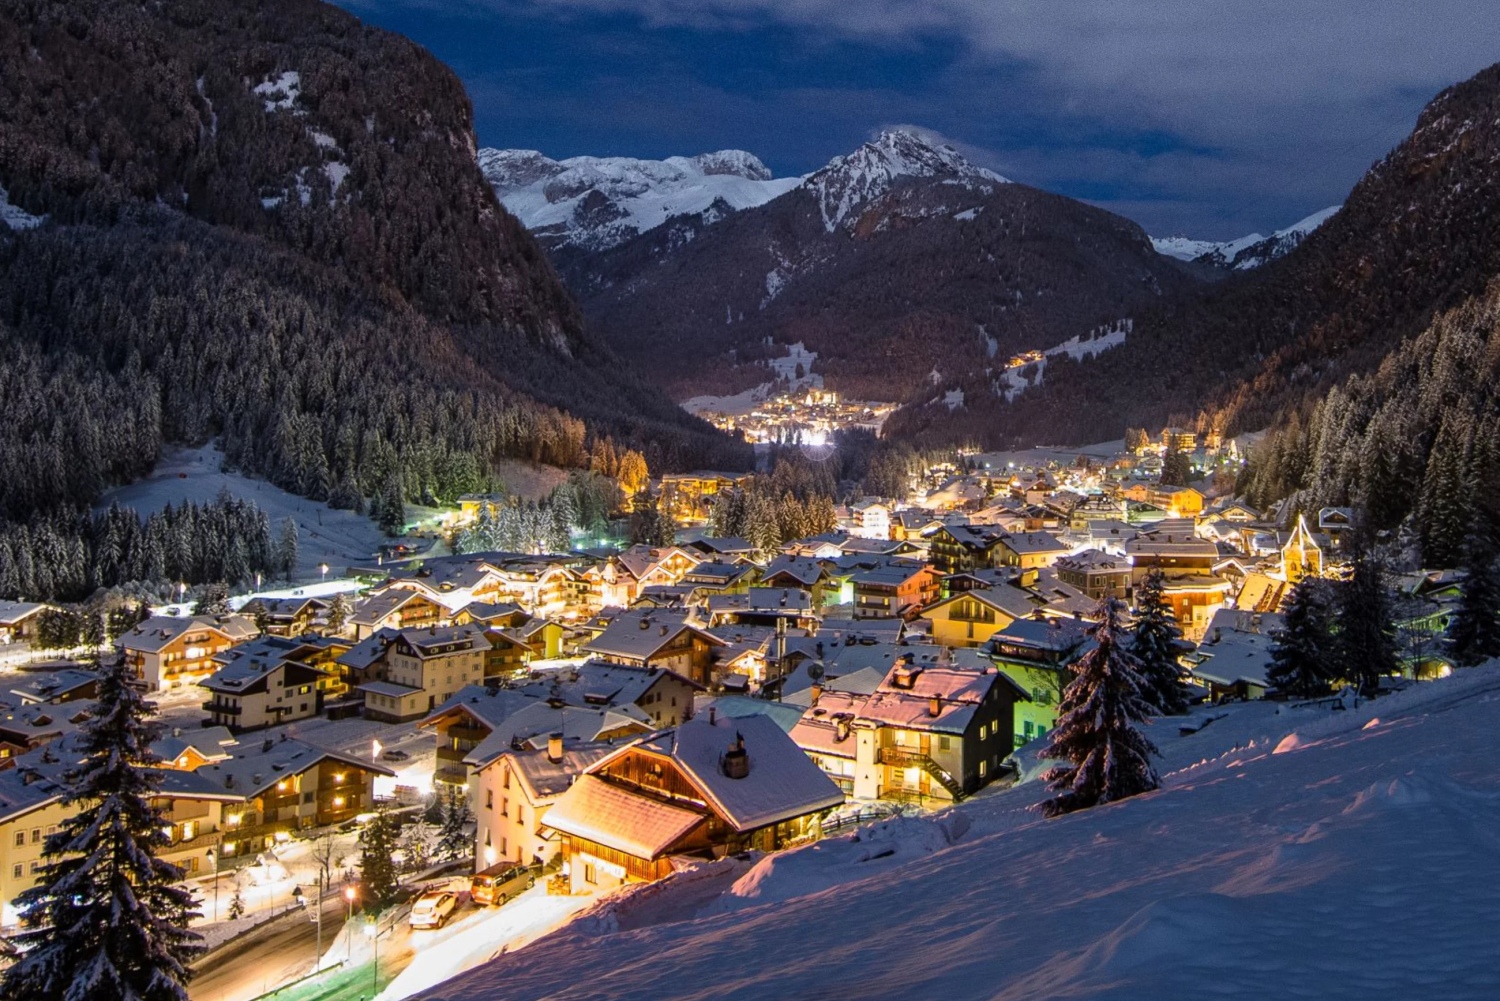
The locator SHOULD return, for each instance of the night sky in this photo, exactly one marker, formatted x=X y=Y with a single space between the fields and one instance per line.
x=1197 y=116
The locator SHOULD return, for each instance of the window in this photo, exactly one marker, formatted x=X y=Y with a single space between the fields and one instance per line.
x=20 y=839
x=984 y=768
x=505 y=806
x=36 y=835
x=520 y=814
x=489 y=799
x=945 y=744
x=590 y=874
x=307 y=797
x=302 y=708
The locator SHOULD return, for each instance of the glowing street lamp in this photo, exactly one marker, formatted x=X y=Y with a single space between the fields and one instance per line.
x=349 y=894
x=323 y=569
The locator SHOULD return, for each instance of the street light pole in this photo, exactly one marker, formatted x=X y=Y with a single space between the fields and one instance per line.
x=349 y=932
x=215 y=856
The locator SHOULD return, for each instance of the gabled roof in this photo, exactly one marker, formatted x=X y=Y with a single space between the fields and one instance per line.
x=782 y=781
x=160 y=631
x=539 y=719
x=13 y=612
x=376 y=607
x=545 y=779
x=47 y=686
x=256 y=768
x=367 y=651
x=907 y=696
x=639 y=638
x=806 y=572
x=632 y=823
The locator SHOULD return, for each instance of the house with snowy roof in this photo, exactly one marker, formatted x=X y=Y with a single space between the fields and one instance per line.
x=1235 y=655
x=261 y=684
x=166 y=651
x=397 y=608
x=514 y=791
x=928 y=732
x=969 y=617
x=284 y=616
x=765 y=606
x=287 y=785
x=18 y=620
x=421 y=668
x=1038 y=654
x=32 y=808
x=478 y=724
x=705 y=788
x=68 y=684
x=897 y=589
x=660 y=639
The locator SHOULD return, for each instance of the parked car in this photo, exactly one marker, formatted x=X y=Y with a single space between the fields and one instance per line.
x=499 y=883
x=395 y=755
x=432 y=909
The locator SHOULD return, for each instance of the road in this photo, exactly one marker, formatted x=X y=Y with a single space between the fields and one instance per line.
x=285 y=953
x=472 y=936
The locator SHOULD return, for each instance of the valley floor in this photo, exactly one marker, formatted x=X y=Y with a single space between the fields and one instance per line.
x=1291 y=853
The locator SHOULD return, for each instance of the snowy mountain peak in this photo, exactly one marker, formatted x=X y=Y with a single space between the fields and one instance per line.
x=594 y=202
x=1246 y=252
x=849 y=182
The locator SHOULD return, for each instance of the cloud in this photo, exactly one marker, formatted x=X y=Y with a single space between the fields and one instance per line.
x=1202 y=114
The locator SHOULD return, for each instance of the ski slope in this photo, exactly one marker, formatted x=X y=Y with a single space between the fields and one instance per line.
x=1292 y=853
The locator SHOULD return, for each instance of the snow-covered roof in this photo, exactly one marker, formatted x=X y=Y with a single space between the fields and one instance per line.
x=257 y=767
x=12 y=612
x=638 y=825
x=782 y=782
x=907 y=698
x=575 y=723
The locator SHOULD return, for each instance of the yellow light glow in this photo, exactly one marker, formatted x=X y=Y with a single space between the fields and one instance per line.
x=233 y=820
x=338 y=802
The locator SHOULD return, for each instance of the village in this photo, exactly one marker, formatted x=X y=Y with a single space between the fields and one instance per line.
x=555 y=726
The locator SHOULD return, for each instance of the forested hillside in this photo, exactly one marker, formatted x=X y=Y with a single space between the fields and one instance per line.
x=1419 y=235
x=263 y=222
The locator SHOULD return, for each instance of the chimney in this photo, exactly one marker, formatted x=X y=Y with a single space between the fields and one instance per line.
x=555 y=748
x=736 y=763
x=663 y=630
x=817 y=693
x=712 y=713
x=266 y=745
x=935 y=706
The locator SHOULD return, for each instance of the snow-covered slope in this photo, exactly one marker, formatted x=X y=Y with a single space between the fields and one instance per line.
x=1291 y=853
x=595 y=203
x=13 y=216
x=849 y=182
x=1248 y=251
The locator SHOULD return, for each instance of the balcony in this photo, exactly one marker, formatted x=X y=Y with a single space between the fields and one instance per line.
x=222 y=708
x=203 y=839
x=456 y=775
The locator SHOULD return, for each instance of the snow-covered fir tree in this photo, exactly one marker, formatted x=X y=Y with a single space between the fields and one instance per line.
x=377 y=870
x=1302 y=654
x=1364 y=643
x=1474 y=633
x=1154 y=644
x=454 y=840
x=1103 y=754
x=286 y=548
x=109 y=921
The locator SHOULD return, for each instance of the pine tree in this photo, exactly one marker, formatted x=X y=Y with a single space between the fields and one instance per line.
x=648 y=524
x=1176 y=469
x=414 y=846
x=1153 y=644
x=454 y=840
x=1474 y=633
x=1105 y=756
x=213 y=601
x=338 y=613
x=1302 y=654
x=109 y=920
x=286 y=548
x=1364 y=643
x=377 y=870
x=392 y=510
